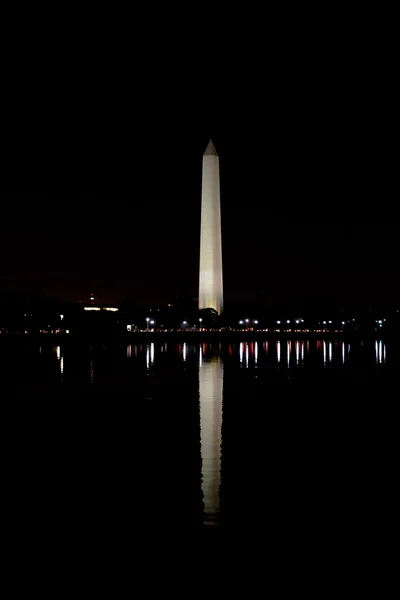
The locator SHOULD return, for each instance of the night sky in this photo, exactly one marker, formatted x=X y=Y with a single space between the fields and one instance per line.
x=308 y=190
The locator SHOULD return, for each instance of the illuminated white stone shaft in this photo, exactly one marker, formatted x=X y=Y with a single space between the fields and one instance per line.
x=210 y=284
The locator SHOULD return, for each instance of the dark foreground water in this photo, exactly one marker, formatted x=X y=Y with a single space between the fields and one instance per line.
x=300 y=437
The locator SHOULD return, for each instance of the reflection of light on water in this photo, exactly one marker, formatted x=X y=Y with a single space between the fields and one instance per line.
x=91 y=372
x=324 y=345
x=288 y=354
x=330 y=352
x=256 y=352
x=210 y=386
x=241 y=352
x=148 y=357
x=302 y=351
x=129 y=351
x=200 y=356
x=278 y=351
x=343 y=353
x=297 y=352
x=380 y=352
x=247 y=356
x=152 y=353
x=184 y=351
x=60 y=358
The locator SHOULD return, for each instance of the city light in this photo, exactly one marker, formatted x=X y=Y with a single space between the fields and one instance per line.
x=240 y=322
x=110 y=309
x=255 y=322
x=61 y=317
x=278 y=322
x=91 y=308
x=288 y=321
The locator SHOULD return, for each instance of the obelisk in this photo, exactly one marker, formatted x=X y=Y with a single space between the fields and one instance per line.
x=210 y=285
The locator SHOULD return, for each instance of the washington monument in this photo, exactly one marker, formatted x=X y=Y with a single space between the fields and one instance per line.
x=210 y=285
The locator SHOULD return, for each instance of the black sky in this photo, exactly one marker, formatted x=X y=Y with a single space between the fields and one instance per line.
x=308 y=154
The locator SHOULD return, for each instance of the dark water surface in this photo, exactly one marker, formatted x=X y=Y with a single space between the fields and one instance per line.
x=297 y=436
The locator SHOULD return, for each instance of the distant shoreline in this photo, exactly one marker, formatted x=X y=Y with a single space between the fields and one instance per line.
x=193 y=336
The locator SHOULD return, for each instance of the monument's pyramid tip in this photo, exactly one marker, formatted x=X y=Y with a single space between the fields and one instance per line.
x=210 y=150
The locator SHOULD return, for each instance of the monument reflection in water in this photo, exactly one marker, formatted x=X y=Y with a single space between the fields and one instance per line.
x=210 y=388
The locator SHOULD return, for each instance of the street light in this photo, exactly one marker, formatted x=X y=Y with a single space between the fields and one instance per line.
x=255 y=322
x=147 y=321
x=240 y=322
x=278 y=322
